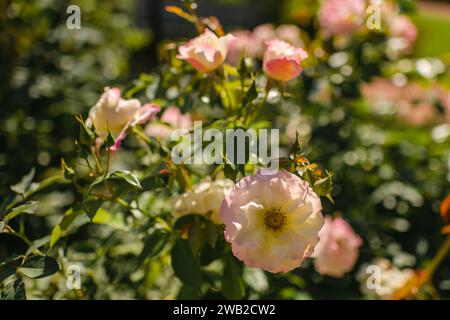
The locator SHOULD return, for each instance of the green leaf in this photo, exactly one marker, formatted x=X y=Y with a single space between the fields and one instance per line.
x=129 y=177
x=8 y=269
x=211 y=234
x=91 y=207
x=102 y=216
x=29 y=207
x=14 y=291
x=184 y=264
x=250 y=95
x=86 y=137
x=153 y=245
x=24 y=184
x=188 y=293
x=2 y=226
x=232 y=283
x=63 y=225
x=37 y=267
x=37 y=244
x=230 y=171
x=197 y=236
x=97 y=181
x=39 y=186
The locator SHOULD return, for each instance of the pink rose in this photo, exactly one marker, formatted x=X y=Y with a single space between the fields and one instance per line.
x=403 y=32
x=341 y=16
x=206 y=52
x=172 y=119
x=282 y=61
x=338 y=248
x=114 y=114
x=272 y=220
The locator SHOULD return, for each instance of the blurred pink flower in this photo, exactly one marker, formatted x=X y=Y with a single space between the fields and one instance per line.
x=341 y=16
x=412 y=102
x=262 y=34
x=403 y=32
x=253 y=43
x=282 y=61
x=241 y=44
x=172 y=119
x=338 y=248
x=206 y=52
x=272 y=220
x=289 y=33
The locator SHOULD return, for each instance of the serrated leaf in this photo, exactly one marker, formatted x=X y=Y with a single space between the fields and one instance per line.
x=185 y=266
x=37 y=267
x=29 y=208
x=24 y=184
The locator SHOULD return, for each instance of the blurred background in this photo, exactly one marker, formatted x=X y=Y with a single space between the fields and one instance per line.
x=391 y=172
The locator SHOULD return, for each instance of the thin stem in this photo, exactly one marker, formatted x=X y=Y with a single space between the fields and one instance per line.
x=249 y=120
x=17 y=234
x=440 y=255
x=108 y=158
x=97 y=162
x=122 y=202
x=142 y=136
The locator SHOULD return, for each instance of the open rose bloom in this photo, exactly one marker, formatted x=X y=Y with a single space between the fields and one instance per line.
x=206 y=52
x=338 y=248
x=114 y=114
x=282 y=61
x=272 y=220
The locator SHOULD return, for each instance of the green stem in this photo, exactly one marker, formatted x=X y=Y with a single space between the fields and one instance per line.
x=97 y=162
x=440 y=255
x=248 y=120
x=108 y=158
x=17 y=234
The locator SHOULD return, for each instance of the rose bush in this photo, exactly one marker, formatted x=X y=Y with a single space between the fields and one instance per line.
x=358 y=178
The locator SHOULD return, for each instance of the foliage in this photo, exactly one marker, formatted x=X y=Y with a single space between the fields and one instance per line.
x=113 y=214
